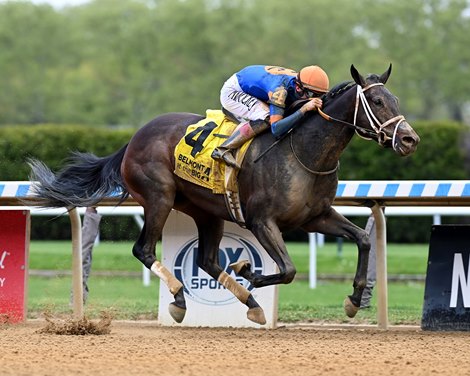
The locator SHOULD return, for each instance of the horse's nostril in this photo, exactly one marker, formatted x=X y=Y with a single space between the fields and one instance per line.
x=410 y=141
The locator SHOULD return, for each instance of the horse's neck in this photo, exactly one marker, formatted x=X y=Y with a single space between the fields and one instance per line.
x=321 y=141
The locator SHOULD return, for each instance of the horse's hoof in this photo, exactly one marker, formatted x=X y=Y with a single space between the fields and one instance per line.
x=238 y=266
x=177 y=313
x=349 y=307
x=256 y=315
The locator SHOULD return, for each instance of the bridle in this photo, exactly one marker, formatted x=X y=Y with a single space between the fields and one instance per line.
x=377 y=131
x=368 y=134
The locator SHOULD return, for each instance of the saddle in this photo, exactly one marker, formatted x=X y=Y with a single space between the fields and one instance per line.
x=193 y=161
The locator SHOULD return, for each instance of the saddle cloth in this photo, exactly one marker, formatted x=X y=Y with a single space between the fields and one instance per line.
x=193 y=161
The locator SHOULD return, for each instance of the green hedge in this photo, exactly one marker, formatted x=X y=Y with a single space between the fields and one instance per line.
x=52 y=144
x=440 y=155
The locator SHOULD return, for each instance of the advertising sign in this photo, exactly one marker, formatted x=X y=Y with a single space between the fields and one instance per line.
x=14 y=250
x=447 y=290
x=208 y=302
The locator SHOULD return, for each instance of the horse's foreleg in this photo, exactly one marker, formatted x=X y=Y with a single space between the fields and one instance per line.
x=270 y=237
x=335 y=224
x=210 y=235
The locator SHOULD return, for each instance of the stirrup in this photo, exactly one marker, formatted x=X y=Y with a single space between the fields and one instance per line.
x=226 y=156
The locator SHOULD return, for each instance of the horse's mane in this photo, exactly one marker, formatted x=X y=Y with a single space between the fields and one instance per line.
x=333 y=93
x=337 y=90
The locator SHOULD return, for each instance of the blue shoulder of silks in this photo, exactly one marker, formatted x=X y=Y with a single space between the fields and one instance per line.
x=256 y=81
x=281 y=127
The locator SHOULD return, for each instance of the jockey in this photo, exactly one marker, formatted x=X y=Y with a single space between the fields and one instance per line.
x=257 y=97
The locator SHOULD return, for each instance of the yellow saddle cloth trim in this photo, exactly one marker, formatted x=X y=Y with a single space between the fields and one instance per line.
x=193 y=161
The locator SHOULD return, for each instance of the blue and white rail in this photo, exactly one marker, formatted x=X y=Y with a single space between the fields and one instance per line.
x=14 y=191
x=404 y=193
x=372 y=194
x=356 y=191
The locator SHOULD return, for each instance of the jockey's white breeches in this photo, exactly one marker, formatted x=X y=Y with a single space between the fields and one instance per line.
x=244 y=106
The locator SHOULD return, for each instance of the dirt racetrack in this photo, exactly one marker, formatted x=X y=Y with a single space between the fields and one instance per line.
x=144 y=348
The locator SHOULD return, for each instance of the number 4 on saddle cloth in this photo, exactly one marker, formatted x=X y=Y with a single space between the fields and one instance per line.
x=193 y=161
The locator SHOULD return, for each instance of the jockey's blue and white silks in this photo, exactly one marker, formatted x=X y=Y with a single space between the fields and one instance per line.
x=258 y=92
x=263 y=82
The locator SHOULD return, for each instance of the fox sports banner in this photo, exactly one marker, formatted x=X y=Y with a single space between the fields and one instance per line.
x=208 y=302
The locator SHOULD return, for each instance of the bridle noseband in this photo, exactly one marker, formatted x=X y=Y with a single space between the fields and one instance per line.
x=377 y=131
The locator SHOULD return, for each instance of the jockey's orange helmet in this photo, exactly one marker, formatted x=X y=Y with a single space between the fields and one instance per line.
x=313 y=78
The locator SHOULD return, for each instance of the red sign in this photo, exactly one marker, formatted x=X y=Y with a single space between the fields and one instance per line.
x=14 y=249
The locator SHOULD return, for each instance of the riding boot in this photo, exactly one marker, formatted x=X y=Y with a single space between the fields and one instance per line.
x=243 y=133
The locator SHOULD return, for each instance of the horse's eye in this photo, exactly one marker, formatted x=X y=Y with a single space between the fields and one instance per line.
x=378 y=101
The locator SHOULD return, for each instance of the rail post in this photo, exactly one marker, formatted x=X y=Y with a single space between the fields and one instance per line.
x=382 y=285
x=77 y=271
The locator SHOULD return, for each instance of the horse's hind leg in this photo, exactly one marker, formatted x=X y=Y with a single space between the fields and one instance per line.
x=210 y=231
x=335 y=224
x=147 y=170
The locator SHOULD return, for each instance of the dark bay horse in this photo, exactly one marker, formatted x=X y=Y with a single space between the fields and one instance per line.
x=292 y=186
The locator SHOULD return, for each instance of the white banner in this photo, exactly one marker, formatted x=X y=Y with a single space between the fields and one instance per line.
x=208 y=302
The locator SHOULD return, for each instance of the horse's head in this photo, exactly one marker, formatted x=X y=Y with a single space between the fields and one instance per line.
x=377 y=110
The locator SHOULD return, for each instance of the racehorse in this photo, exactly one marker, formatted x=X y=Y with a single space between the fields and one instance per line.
x=287 y=186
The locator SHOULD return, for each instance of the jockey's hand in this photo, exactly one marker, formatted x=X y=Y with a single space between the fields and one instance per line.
x=311 y=105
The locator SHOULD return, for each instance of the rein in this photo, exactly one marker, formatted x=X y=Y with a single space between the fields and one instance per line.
x=305 y=167
x=348 y=124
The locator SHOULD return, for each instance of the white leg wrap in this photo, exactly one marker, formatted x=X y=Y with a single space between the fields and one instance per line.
x=164 y=274
x=234 y=287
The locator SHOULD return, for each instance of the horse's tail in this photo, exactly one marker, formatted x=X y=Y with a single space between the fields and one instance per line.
x=84 y=181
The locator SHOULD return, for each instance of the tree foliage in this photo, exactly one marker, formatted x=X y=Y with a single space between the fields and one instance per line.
x=124 y=62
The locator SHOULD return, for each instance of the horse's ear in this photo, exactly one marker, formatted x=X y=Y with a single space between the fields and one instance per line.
x=384 y=77
x=357 y=76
